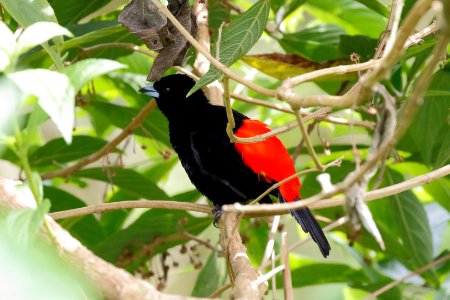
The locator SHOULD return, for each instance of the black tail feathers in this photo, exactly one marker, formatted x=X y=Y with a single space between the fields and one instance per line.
x=309 y=224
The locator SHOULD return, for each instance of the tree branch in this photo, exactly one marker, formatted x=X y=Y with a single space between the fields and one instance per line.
x=244 y=275
x=312 y=203
x=252 y=210
x=112 y=282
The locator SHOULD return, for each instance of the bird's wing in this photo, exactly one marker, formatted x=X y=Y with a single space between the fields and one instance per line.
x=268 y=158
x=216 y=158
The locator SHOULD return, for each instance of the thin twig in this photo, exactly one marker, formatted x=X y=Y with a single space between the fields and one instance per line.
x=268 y=275
x=336 y=162
x=226 y=99
x=406 y=277
x=220 y=290
x=313 y=203
x=105 y=207
x=287 y=279
x=271 y=241
x=308 y=142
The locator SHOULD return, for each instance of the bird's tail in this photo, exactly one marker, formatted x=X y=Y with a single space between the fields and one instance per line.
x=309 y=224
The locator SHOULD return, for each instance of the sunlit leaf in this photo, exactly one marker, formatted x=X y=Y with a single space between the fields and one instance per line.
x=39 y=33
x=55 y=95
x=237 y=39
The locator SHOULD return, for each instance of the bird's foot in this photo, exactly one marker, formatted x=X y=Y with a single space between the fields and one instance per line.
x=217 y=211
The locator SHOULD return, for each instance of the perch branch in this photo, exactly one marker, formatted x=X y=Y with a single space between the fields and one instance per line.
x=255 y=211
x=244 y=275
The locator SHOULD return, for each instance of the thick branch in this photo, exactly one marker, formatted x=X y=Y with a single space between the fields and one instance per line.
x=112 y=282
x=244 y=275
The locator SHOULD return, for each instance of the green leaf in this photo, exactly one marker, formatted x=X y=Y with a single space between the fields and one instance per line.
x=129 y=180
x=354 y=17
x=151 y=225
x=7 y=47
x=86 y=229
x=72 y=11
x=405 y=228
x=39 y=33
x=55 y=95
x=237 y=39
x=25 y=223
x=27 y=12
x=85 y=70
x=320 y=43
x=428 y=135
x=11 y=97
x=211 y=277
x=376 y=6
x=155 y=126
x=57 y=152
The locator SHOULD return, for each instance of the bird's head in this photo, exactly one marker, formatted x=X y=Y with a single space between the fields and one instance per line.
x=170 y=94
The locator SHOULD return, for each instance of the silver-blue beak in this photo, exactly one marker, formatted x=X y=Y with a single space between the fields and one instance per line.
x=149 y=90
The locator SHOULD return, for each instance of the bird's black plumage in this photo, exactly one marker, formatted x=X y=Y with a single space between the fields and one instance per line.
x=197 y=131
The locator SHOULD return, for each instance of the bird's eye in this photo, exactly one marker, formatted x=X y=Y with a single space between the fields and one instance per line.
x=167 y=89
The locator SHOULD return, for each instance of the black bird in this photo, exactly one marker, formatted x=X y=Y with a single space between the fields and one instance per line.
x=228 y=172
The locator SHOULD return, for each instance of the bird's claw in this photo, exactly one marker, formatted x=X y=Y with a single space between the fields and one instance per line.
x=217 y=211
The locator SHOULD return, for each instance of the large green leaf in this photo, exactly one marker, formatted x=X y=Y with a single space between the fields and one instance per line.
x=28 y=12
x=151 y=225
x=318 y=43
x=55 y=95
x=86 y=229
x=129 y=180
x=429 y=134
x=71 y=11
x=237 y=39
x=57 y=152
x=211 y=277
x=155 y=125
x=404 y=227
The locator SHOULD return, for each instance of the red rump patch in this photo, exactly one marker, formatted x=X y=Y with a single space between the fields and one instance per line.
x=268 y=158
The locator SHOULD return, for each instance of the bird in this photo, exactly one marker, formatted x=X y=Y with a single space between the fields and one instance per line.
x=223 y=171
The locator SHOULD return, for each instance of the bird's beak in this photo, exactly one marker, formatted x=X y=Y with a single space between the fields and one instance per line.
x=149 y=90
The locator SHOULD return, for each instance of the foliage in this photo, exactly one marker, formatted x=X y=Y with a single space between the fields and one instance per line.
x=65 y=67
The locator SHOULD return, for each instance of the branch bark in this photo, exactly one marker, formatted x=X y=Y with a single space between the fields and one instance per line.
x=243 y=273
x=112 y=282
